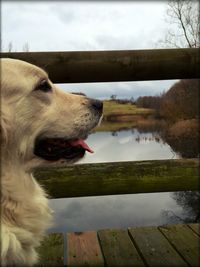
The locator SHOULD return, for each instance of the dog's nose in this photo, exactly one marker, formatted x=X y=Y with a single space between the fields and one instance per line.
x=97 y=105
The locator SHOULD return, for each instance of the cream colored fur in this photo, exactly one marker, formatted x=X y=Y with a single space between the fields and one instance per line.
x=25 y=114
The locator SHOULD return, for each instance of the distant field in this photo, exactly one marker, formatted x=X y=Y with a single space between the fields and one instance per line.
x=113 y=108
x=121 y=116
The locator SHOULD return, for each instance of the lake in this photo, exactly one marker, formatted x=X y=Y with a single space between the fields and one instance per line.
x=122 y=211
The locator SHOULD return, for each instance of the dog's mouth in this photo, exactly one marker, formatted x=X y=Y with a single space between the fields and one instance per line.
x=53 y=149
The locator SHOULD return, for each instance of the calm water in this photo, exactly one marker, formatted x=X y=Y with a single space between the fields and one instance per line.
x=128 y=145
x=92 y=213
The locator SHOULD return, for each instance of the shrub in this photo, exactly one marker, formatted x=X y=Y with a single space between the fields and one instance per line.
x=181 y=101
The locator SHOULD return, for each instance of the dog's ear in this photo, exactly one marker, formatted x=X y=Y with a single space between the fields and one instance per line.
x=5 y=124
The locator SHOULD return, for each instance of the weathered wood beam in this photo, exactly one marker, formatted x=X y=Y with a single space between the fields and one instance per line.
x=120 y=178
x=115 y=66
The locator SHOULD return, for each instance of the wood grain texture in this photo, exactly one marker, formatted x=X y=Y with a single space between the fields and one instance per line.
x=110 y=66
x=155 y=248
x=171 y=245
x=185 y=241
x=195 y=227
x=83 y=250
x=118 y=249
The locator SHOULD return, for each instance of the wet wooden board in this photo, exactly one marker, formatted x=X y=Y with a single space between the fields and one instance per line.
x=185 y=241
x=118 y=249
x=84 y=250
x=155 y=248
x=51 y=251
x=195 y=227
x=169 y=246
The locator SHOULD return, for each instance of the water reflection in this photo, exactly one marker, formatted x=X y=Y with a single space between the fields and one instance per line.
x=128 y=145
x=186 y=148
x=182 y=136
x=82 y=214
x=189 y=201
x=92 y=213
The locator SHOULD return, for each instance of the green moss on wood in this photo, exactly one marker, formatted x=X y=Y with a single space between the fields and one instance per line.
x=120 y=178
x=51 y=251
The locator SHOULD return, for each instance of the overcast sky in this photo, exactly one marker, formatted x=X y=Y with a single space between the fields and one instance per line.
x=93 y=25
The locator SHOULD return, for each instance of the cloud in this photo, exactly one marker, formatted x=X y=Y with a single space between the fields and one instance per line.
x=121 y=89
x=81 y=25
x=83 y=214
x=92 y=25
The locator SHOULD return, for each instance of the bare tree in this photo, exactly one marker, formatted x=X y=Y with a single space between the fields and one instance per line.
x=183 y=19
x=10 y=47
x=26 y=47
x=113 y=97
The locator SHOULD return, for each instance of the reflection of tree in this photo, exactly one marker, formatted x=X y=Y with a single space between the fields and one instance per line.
x=155 y=138
x=186 y=148
x=171 y=217
x=183 y=137
x=133 y=131
x=114 y=133
x=189 y=201
x=150 y=126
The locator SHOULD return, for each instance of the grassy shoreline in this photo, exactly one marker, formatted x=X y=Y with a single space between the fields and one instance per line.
x=112 y=108
x=122 y=116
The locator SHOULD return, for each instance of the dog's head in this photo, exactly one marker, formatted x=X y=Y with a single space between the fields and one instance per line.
x=39 y=122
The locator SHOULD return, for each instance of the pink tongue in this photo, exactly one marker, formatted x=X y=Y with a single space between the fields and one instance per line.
x=80 y=142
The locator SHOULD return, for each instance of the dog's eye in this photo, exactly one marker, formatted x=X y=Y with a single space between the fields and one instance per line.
x=44 y=86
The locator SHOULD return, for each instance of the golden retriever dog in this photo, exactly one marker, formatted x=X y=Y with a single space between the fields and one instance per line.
x=40 y=125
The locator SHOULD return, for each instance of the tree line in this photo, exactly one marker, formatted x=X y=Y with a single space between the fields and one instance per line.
x=181 y=101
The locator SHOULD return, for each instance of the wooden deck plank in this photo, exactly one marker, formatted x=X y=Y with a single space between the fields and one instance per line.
x=195 y=227
x=118 y=249
x=83 y=250
x=51 y=251
x=185 y=241
x=155 y=248
x=173 y=245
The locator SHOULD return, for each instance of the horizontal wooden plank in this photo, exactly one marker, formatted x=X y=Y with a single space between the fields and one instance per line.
x=120 y=178
x=185 y=241
x=83 y=250
x=113 y=66
x=155 y=248
x=118 y=249
x=51 y=251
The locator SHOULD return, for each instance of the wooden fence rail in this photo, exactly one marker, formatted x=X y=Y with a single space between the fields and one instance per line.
x=120 y=178
x=115 y=66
